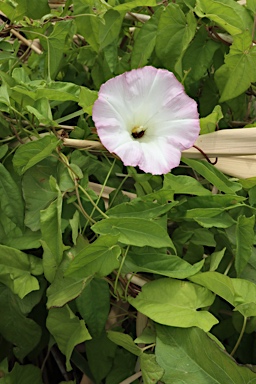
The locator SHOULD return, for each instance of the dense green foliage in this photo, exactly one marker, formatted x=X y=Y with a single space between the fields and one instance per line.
x=73 y=263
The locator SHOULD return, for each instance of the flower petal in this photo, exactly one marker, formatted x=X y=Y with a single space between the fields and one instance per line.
x=153 y=100
x=159 y=157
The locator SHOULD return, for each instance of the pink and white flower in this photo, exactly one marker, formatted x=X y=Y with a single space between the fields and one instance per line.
x=145 y=117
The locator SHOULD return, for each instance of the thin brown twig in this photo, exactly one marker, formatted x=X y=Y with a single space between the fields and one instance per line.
x=27 y=42
x=205 y=155
x=137 y=16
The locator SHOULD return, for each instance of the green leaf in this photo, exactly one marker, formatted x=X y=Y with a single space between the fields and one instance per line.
x=81 y=7
x=58 y=91
x=65 y=289
x=67 y=330
x=31 y=10
x=203 y=213
x=216 y=258
x=213 y=175
x=228 y=14
x=162 y=196
x=251 y=4
x=37 y=191
x=93 y=305
x=174 y=303
x=218 y=202
x=127 y=6
x=5 y=129
x=33 y=152
x=17 y=269
x=54 y=45
x=148 y=335
x=184 y=185
x=87 y=99
x=196 y=358
x=134 y=231
x=109 y=31
x=145 y=41
x=88 y=25
x=192 y=235
x=248 y=183
x=100 y=258
x=23 y=332
x=238 y=72
x=22 y=240
x=252 y=194
x=124 y=341
x=100 y=352
x=122 y=367
x=102 y=31
x=50 y=219
x=198 y=57
x=140 y=209
x=238 y=292
x=4 y=95
x=209 y=123
x=175 y=32
x=244 y=242
x=151 y=371
x=27 y=304
x=42 y=111
x=208 y=211
x=22 y=374
x=74 y=224
x=223 y=220
x=157 y=261
x=11 y=203
x=7 y=8
x=20 y=75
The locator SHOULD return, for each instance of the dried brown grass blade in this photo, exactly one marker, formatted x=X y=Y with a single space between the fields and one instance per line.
x=237 y=166
x=107 y=190
x=227 y=142
x=234 y=148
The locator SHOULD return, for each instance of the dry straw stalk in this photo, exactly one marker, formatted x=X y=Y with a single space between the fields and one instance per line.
x=234 y=148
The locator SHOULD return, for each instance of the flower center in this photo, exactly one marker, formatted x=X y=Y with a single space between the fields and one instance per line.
x=138 y=132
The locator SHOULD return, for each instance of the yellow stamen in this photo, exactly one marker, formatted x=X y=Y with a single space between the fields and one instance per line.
x=138 y=132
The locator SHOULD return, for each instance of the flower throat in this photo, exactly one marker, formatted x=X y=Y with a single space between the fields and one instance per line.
x=138 y=132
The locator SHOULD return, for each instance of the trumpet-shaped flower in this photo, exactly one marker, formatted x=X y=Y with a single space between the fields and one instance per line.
x=145 y=117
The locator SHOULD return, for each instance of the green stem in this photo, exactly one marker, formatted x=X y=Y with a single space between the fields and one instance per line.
x=118 y=190
x=48 y=56
x=239 y=338
x=23 y=118
x=127 y=287
x=7 y=139
x=120 y=268
x=102 y=190
x=228 y=267
x=148 y=347
x=92 y=202
x=112 y=286
x=74 y=177
x=81 y=209
x=185 y=76
x=70 y=116
x=19 y=60
x=253 y=29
